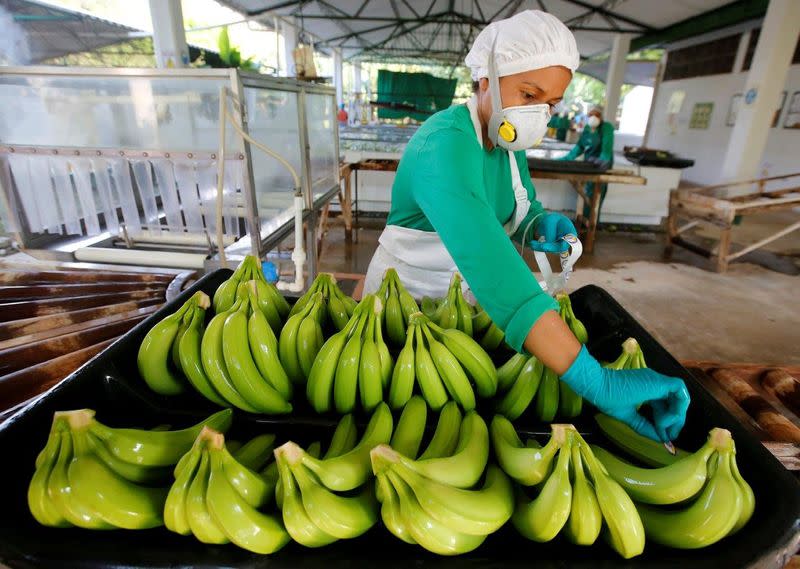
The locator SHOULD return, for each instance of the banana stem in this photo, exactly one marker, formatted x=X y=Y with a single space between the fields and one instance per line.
x=291 y=452
x=630 y=346
x=382 y=457
x=201 y=299
x=212 y=438
x=79 y=419
x=721 y=439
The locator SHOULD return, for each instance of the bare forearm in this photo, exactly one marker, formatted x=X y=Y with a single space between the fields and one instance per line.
x=552 y=342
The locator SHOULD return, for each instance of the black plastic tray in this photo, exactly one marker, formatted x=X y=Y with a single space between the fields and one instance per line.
x=110 y=384
x=565 y=166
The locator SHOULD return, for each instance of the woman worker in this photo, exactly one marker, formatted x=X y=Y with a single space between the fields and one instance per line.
x=462 y=193
x=597 y=145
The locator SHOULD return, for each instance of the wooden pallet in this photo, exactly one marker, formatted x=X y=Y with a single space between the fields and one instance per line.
x=749 y=392
x=54 y=321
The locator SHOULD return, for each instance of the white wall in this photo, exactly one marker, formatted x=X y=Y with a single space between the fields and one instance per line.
x=707 y=147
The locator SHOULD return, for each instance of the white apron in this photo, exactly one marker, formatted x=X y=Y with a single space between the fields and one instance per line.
x=423 y=263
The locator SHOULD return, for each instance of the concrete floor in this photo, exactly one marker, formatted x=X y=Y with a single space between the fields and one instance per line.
x=749 y=314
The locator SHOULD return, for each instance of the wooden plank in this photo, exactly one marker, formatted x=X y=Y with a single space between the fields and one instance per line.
x=18 y=310
x=766 y=240
x=770 y=194
x=37 y=291
x=18 y=387
x=377 y=165
x=612 y=177
x=20 y=357
x=758 y=206
x=749 y=182
x=41 y=323
x=723 y=250
x=77 y=327
x=34 y=277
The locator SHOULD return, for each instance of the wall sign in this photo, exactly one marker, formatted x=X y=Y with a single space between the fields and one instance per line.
x=792 y=119
x=701 y=116
x=733 y=109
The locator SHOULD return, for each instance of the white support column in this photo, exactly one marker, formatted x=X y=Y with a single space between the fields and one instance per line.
x=616 y=74
x=357 y=77
x=289 y=34
x=338 y=75
x=763 y=87
x=169 y=38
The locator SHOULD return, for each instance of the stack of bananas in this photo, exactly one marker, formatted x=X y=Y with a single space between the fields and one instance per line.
x=239 y=355
x=523 y=378
x=270 y=300
x=445 y=363
x=398 y=304
x=353 y=365
x=302 y=337
x=339 y=307
x=93 y=476
x=434 y=499
x=219 y=499
x=158 y=359
x=714 y=500
x=232 y=362
x=454 y=311
x=330 y=498
x=574 y=491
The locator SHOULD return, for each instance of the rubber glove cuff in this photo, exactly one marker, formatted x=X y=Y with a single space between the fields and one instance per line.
x=585 y=376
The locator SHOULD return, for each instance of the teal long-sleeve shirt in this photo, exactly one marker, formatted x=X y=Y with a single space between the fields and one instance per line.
x=597 y=143
x=446 y=182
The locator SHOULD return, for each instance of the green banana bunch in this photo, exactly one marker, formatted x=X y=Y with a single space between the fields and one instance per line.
x=398 y=305
x=351 y=469
x=406 y=439
x=338 y=306
x=431 y=499
x=97 y=477
x=630 y=358
x=235 y=361
x=625 y=534
x=315 y=514
x=354 y=365
x=724 y=505
x=542 y=518
x=157 y=355
x=220 y=500
x=446 y=364
x=568 y=316
x=491 y=336
x=270 y=301
x=574 y=491
x=302 y=338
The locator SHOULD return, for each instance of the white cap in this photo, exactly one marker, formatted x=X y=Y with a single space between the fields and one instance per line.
x=526 y=41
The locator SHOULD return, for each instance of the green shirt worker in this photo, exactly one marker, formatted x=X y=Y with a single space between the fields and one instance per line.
x=462 y=195
x=596 y=144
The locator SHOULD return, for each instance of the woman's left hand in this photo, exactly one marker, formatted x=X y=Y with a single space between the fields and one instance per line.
x=553 y=227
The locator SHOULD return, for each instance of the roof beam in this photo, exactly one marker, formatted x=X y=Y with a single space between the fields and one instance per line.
x=257 y=13
x=722 y=17
x=600 y=10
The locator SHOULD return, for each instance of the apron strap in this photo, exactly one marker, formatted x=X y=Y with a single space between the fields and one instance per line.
x=523 y=204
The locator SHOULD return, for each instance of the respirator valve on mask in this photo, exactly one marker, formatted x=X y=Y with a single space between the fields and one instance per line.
x=507 y=132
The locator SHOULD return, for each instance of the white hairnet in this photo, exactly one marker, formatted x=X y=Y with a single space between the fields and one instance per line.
x=526 y=41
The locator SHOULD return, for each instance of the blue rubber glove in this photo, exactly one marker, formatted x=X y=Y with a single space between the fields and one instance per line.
x=553 y=227
x=620 y=392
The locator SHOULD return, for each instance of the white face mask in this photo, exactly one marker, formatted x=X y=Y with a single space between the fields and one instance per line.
x=594 y=121
x=514 y=128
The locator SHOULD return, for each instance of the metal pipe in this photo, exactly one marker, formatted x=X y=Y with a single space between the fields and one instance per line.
x=138 y=257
